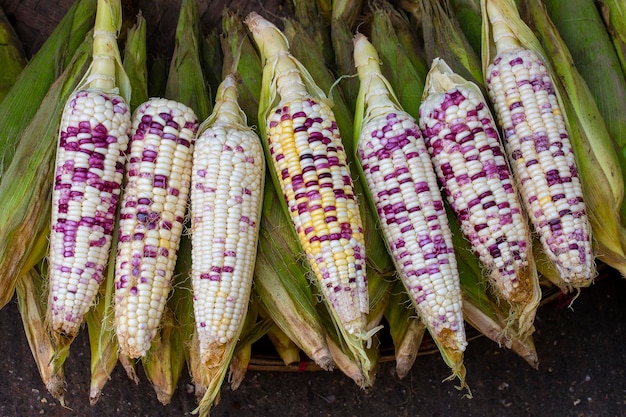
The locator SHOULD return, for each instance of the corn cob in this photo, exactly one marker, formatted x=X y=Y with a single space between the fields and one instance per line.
x=598 y=161
x=89 y=169
x=538 y=146
x=403 y=187
x=462 y=139
x=309 y=165
x=228 y=173
x=153 y=208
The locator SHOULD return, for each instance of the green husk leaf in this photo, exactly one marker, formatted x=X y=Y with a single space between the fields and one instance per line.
x=286 y=348
x=11 y=55
x=136 y=62
x=238 y=47
x=444 y=39
x=306 y=13
x=581 y=27
x=405 y=327
x=213 y=60
x=468 y=15
x=398 y=61
x=614 y=15
x=157 y=75
x=39 y=74
x=26 y=189
x=183 y=81
x=282 y=284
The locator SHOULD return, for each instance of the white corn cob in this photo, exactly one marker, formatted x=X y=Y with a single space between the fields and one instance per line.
x=541 y=155
x=310 y=163
x=462 y=139
x=403 y=186
x=226 y=197
x=89 y=170
x=158 y=179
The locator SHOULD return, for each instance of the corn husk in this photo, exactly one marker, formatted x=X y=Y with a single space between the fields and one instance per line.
x=213 y=60
x=582 y=29
x=286 y=348
x=11 y=55
x=170 y=349
x=307 y=14
x=239 y=48
x=468 y=15
x=37 y=77
x=401 y=66
x=183 y=80
x=282 y=284
x=444 y=39
x=406 y=329
x=135 y=61
x=596 y=157
x=158 y=70
x=614 y=15
x=101 y=329
x=341 y=33
x=49 y=359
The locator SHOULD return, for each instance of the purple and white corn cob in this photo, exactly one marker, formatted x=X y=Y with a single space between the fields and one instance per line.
x=463 y=141
x=158 y=179
x=402 y=183
x=88 y=175
x=539 y=150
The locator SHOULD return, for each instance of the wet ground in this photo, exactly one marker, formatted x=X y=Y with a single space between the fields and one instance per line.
x=582 y=373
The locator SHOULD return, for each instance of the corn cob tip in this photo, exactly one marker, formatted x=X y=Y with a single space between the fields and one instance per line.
x=364 y=51
x=227 y=110
x=106 y=54
x=440 y=78
x=269 y=38
x=503 y=36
